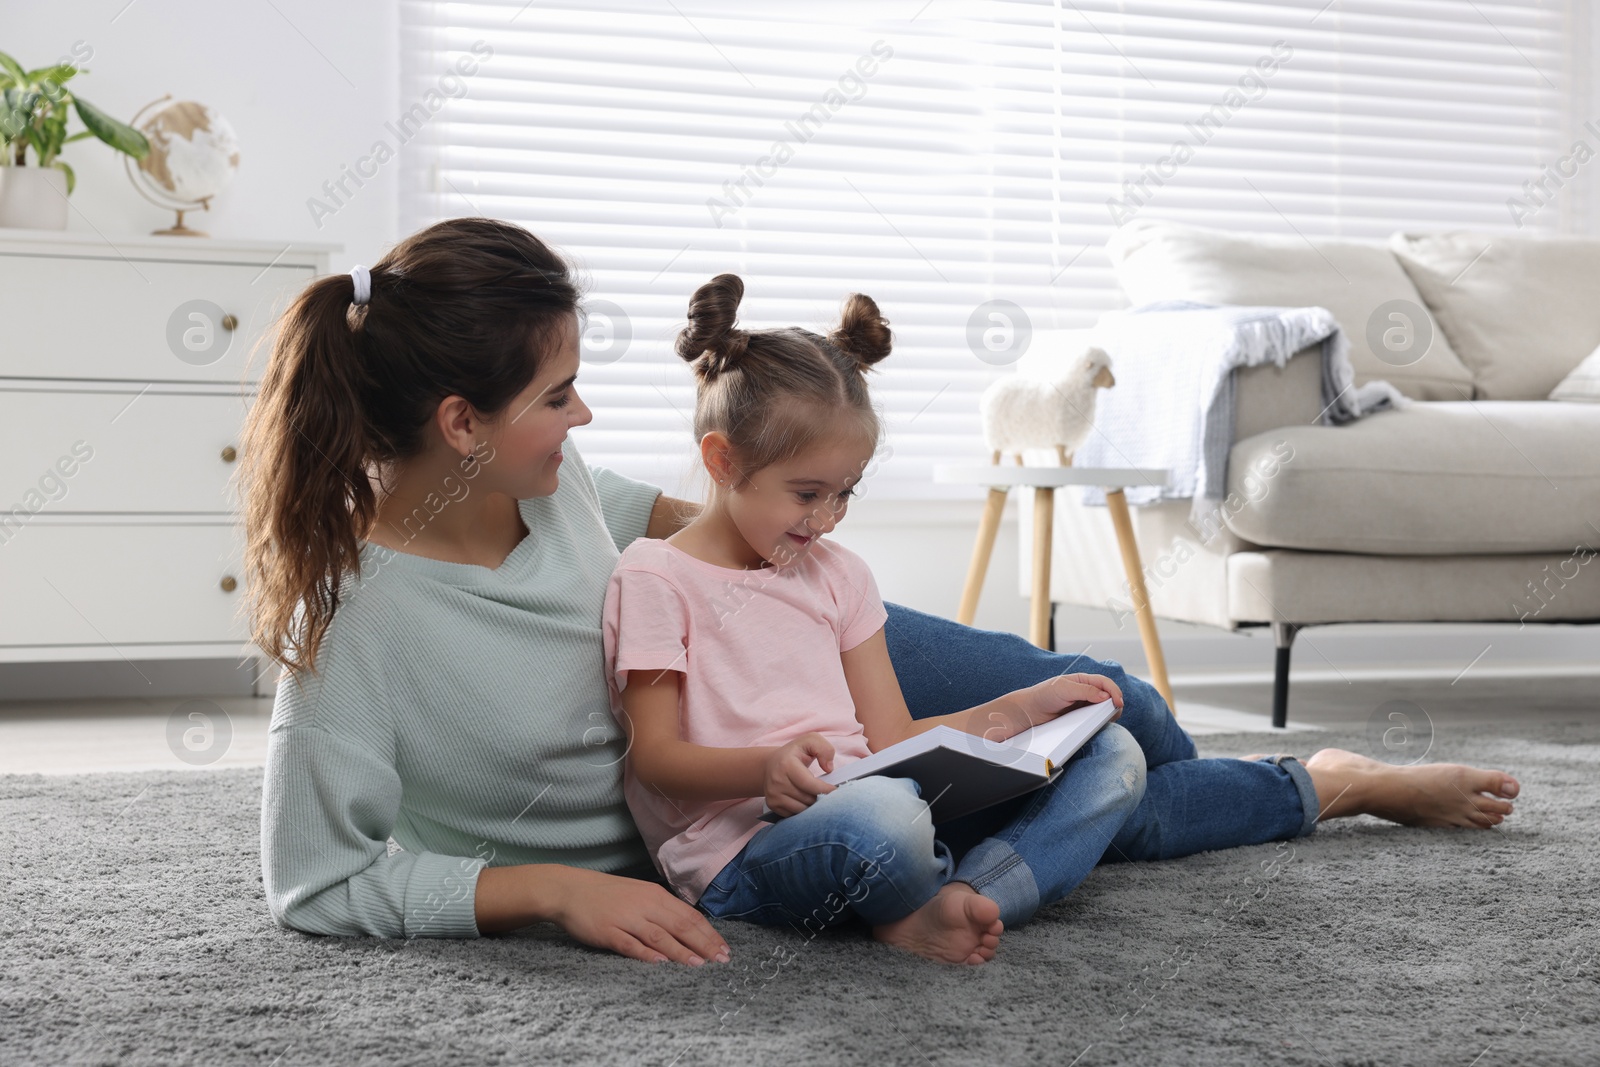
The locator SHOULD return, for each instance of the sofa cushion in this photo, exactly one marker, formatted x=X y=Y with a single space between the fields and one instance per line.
x=1277 y=585
x=1359 y=282
x=1519 y=311
x=1443 y=478
x=1583 y=383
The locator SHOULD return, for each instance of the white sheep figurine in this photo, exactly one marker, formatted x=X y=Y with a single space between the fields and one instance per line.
x=1021 y=413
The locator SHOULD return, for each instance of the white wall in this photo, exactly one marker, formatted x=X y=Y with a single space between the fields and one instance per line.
x=307 y=87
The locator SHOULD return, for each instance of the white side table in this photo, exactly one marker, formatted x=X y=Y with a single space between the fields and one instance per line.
x=1045 y=480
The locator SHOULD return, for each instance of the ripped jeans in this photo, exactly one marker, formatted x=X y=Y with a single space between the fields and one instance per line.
x=870 y=849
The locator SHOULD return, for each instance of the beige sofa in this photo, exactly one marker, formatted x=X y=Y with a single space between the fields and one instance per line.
x=1481 y=502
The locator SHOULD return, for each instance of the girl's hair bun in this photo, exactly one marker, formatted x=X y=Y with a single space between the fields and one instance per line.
x=713 y=310
x=862 y=332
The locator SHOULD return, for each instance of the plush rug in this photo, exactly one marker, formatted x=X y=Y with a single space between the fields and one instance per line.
x=135 y=932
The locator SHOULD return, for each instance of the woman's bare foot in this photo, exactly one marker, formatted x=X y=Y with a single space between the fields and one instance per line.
x=1431 y=794
x=959 y=925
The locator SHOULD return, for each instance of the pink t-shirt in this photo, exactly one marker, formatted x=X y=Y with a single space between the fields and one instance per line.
x=759 y=651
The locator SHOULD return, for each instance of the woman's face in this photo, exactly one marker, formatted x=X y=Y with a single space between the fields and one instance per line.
x=527 y=438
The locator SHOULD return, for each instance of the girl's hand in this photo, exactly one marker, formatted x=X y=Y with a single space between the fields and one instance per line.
x=791 y=787
x=635 y=918
x=1048 y=699
x=1092 y=688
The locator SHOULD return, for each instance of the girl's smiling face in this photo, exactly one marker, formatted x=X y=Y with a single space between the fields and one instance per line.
x=526 y=440
x=782 y=509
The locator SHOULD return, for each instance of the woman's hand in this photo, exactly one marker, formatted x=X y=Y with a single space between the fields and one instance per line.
x=791 y=787
x=1039 y=703
x=634 y=918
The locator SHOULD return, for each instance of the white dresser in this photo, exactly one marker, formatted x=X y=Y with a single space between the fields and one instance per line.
x=126 y=367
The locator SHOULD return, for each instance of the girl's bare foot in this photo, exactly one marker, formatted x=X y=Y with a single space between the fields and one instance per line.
x=959 y=925
x=1431 y=794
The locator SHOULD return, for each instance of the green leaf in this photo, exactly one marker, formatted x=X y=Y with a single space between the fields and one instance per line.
x=53 y=91
x=72 y=179
x=49 y=135
x=80 y=135
x=118 y=135
x=60 y=73
x=17 y=114
x=18 y=76
x=22 y=100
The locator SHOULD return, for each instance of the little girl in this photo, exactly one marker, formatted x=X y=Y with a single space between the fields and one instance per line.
x=747 y=647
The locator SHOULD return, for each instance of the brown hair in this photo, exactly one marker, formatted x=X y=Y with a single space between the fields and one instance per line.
x=464 y=307
x=774 y=393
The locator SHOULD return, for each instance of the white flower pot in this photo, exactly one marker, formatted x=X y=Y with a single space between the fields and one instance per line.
x=33 y=198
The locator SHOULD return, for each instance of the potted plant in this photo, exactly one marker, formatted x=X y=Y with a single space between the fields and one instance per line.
x=33 y=114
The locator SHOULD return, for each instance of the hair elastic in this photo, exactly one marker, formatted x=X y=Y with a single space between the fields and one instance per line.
x=363 y=282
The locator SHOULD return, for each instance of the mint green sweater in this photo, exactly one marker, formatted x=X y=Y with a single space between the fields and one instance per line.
x=458 y=718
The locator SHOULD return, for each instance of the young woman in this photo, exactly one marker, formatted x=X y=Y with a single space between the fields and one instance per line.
x=428 y=557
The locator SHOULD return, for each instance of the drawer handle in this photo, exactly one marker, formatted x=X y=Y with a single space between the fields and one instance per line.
x=230 y=322
x=229 y=455
x=228 y=583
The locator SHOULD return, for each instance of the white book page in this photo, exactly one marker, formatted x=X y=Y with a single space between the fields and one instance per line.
x=1054 y=741
x=1060 y=733
x=1041 y=750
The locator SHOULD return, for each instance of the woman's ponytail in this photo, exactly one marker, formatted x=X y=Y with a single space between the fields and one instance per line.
x=306 y=456
x=466 y=307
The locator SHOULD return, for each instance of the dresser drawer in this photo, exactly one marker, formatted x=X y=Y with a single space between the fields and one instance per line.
x=62 y=453
x=138 y=320
x=125 y=585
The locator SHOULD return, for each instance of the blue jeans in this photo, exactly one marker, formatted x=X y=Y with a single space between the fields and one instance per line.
x=1189 y=805
x=1028 y=851
x=870 y=850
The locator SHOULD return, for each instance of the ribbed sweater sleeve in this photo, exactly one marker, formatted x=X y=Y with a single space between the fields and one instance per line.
x=625 y=504
x=331 y=797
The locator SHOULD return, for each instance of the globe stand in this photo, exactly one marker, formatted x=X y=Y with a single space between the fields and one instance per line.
x=178 y=229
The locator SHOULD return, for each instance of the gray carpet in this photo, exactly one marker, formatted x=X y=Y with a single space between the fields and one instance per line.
x=135 y=932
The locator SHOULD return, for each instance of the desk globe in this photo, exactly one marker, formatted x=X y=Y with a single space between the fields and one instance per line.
x=193 y=156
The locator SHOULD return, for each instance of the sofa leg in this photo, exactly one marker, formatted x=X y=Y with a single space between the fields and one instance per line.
x=1282 y=636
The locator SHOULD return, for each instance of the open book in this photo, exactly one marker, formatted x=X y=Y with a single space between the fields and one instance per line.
x=960 y=772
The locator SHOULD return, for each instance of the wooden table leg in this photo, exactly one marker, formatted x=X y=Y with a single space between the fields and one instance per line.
x=1117 y=504
x=1044 y=510
x=982 y=550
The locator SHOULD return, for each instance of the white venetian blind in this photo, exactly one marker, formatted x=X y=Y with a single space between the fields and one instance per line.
x=944 y=158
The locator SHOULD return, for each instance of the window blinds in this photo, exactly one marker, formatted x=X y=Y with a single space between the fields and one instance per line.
x=963 y=164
